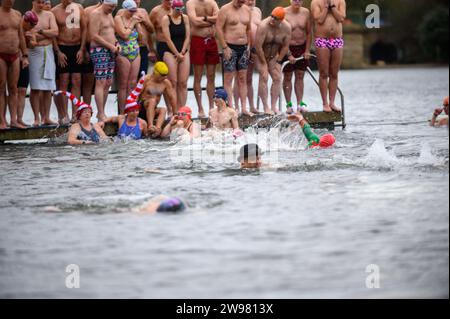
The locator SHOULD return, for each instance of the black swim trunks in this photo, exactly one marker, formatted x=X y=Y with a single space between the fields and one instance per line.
x=72 y=66
x=239 y=59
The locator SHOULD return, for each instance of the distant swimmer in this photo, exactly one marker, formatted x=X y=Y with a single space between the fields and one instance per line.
x=155 y=86
x=437 y=121
x=182 y=125
x=272 y=44
x=325 y=141
x=223 y=117
x=250 y=156
x=83 y=132
x=162 y=204
x=130 y=125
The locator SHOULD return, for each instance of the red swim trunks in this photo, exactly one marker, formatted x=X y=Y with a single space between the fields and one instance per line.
x=204 y=51
x=297 y=51
x=9 y=58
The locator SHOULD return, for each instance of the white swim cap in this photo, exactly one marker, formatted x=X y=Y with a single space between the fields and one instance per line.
x=129 y=5
x=114 y=2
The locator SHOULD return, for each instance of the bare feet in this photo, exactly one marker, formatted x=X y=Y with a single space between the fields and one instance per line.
x=36 y=124
x=22 y=123
x=335 y=108
x=327 y=109
x=254 y=111
x=245 y=112
x=102 y=118
x=268 y=112
x=3 y=127
x=276 y=111
x=17 y=125
x=156 y=132
x=49 y=122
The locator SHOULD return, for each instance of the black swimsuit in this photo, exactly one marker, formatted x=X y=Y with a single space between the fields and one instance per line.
x=177 y=34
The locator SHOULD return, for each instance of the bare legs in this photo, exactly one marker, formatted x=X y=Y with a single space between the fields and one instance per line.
x=178 y=75
x=3 y=76
x=9 y=77
x=329 y=65
x=152 y=111
x=210 y=87
x=299 y=85
x=273 y=69
x=22 y=93
x=61 y=101
x=88 y=85
x=101 y=95
x=127 y=74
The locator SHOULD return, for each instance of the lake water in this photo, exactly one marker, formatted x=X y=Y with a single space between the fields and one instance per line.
x=307 y=227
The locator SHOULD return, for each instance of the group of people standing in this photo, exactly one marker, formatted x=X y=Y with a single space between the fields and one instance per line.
x=68 y=46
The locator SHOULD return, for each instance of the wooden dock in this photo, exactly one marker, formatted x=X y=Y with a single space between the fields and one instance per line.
x=316 y=119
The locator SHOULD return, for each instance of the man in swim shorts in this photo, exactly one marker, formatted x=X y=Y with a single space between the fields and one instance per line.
x=204 y=50
x=235 y=36
x=12 y=47
x=155 y=86
x=328 y=17
x=300 y=46
x=272 y=44
x=69 y=47
x=156 y=16
x=104 y=50
x=42 y=64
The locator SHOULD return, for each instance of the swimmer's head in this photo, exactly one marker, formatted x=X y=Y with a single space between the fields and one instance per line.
x=250 y=156
x=239 y=3
x=171 y=205
x=161 y=69
x=278 y=14
x=221 y=96
x=296 y=3
x=184 y=112
x=445 y=104
x=177 y=5
x=326 y=141
x=129 y=5
x=31 y=20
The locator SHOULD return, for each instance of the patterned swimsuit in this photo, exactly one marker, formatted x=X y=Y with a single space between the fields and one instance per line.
x=331 y=43
x=130 y=47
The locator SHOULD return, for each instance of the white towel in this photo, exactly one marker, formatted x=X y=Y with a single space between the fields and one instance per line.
x=42 y=68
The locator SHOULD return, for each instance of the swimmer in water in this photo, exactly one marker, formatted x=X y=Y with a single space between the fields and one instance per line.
x=83 y=132
x=223 y=117
x=250 y=156
x=162 y=204
x=443 y=121
x=182 y=124
x=325 y=141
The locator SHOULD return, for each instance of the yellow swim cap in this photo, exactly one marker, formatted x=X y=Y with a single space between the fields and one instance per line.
x=161 y=68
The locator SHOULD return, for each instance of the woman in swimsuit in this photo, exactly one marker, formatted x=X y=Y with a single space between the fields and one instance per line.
x=129 y=59
x=181 y=124
x=83 y=132
x=176 y=31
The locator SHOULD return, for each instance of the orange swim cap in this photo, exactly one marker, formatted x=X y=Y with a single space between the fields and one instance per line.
x=327 y=140
x=446 y=101
x=279 y=13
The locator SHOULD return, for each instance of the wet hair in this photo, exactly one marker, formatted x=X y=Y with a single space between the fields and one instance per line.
x=249 y=151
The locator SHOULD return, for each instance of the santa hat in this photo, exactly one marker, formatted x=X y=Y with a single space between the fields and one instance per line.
x=132 y=104
x=80 y=105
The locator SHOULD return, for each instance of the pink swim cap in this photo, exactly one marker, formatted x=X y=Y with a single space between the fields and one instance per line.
x=177 y=4
x=31 y=18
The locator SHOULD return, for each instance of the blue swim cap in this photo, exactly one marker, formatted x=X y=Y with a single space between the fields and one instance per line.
x=221 y=94
x=171 y=205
